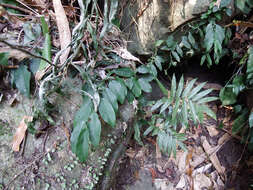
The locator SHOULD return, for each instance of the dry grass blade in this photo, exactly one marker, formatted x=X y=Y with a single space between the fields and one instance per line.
x=20 y=133
x=63 y=28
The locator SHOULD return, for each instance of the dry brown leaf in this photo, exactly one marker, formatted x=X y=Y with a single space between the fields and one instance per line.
x=13 y=53
x=63 y=28
x=125 y=54
x=20 y=133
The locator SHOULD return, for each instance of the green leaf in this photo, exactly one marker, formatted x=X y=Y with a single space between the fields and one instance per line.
x=209 y=37
x=46 y=52
x=158 y=104
x=148 y=130
x=185 y=113
x=173 y=87
x=136 y=88
x=21 y=79
x=188 y=88
x=118 y=89
x=175 y=55
x=81 y=117
x=165 y=105
x=94 y=127
x=249 y=70
x=145 y=86
x=179 y=51
x=175 y=111
x=227 y=96
x=185 y=42
x=207 y=99
x=251 y=119
x=4 y=58
x=239 y=122
x=82 y=147
x=201 y=94
x=159 y=43
x=203 y=58
x=137 y=133
x=193 y=112
x=208 y=111
x=107 y=112
x=180 y=87
x=124 y=72
x=158 y=62
x=170 y=41
x=209 y=60
x=196 y=90
x=130 y=97
x=143 y=69
x=109 y=95
x=191 y=39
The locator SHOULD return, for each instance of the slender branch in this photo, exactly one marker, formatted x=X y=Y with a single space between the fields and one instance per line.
x=17 y=8
x=26 y=52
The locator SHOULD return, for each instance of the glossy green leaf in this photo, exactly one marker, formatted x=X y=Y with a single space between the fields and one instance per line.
x=208 y=111
x=175 y=55
x=196 y=90
x=143 y=69
x=145 y=86
x=175 y=111
x=158 y=104
x=185 y=113
x=188 y=88
x=82 y=146
x=207 y=99
x=180 y=87
x=109 y=95
x=118 y=89
x=158 y=62
x=193 y=112
x=4 y=58
x=165 y=105
x=148 y=130
x=173 y=87
x=170 y=41
x=21 y=79
x=251 y=119
x=124 y=72
x=191 y=39
x=94 y=127
x=201 y=94
x=80 y=120
x=209 y=37
x=179 y=51
x=185 y=42
x=107 y=112
x=136 y=88
x=159 y=43
x=203 y=58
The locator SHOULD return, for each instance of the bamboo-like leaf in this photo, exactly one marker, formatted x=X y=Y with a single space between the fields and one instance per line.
x=201 y=94
x=239 y=122
x=208 y=111
x=193 y=112
x=165 y=105
x=196 y=90
x=180 y=87
x=185 y=113
x=148 y=130
x=188 y=88
x=207 y=99
x=158 y=104
x=173 y=87
x=175 y=111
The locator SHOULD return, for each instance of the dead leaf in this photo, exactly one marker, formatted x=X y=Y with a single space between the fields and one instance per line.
x=20 y=133
x=125 y=54
x=13 y=53
x=63 y=28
